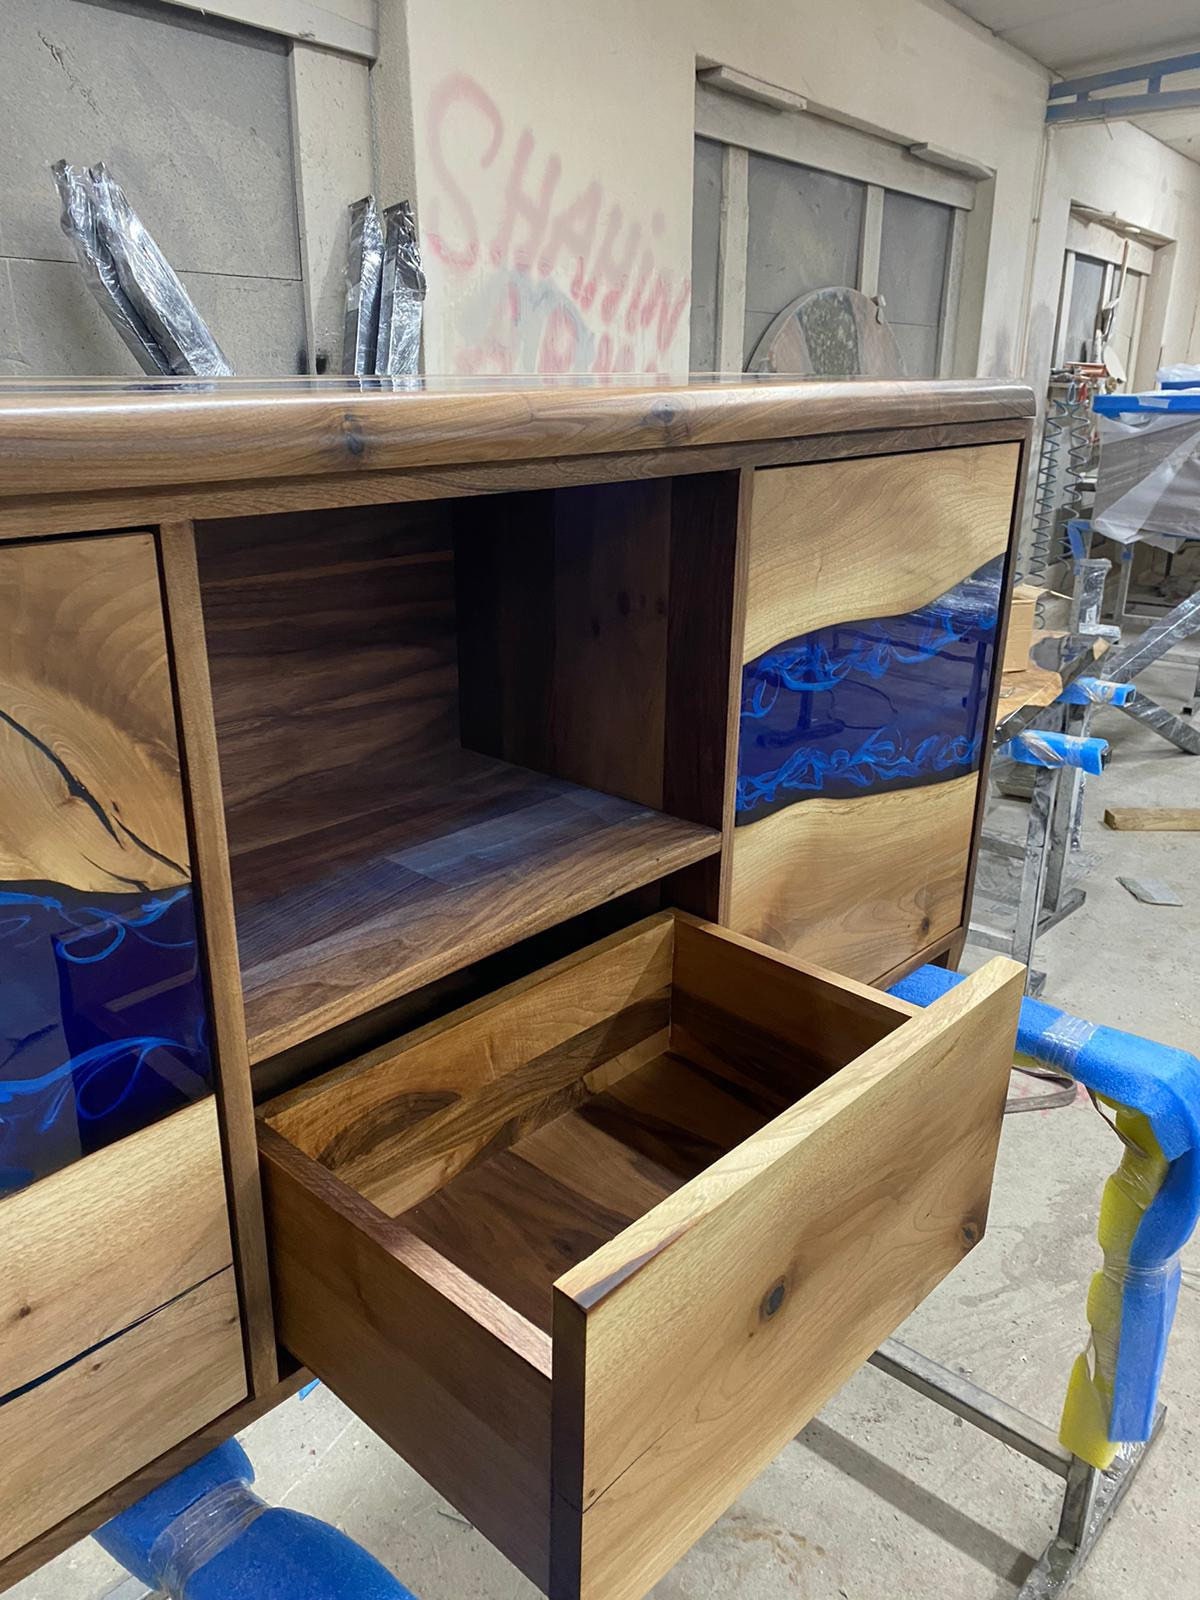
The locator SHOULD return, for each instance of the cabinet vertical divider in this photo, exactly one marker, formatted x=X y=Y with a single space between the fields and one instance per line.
x=218 y=939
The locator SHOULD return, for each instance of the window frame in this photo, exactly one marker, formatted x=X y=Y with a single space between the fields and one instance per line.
x=804 y=139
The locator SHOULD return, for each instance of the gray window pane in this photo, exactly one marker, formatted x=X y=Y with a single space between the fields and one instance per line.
x=1087 y=289
x=805 y=234
x=706 y=230
x=914 y=245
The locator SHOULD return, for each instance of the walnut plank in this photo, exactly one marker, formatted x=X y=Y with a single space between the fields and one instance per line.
x=350 y=917
x=846 y=540
x=456 y=1382
x=405 y=1117
x=806 y=1245
x=1153 y=819
x=68 y=1439
x=857 y=884
x=89 y=768
x=37 y=1552
x=218 y=940
x=109 y=1239
x=24 y=517
x=162 y=434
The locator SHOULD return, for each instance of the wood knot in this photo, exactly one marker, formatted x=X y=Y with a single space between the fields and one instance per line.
x=664 y=412
x=772 y=1301
x=352 y=435
x=971 y=1233
x=24 y=1311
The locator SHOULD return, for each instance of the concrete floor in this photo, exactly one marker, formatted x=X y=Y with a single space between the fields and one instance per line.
x=884 y=1495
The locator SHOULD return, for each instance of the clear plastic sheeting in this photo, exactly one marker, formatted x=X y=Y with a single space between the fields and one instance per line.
x=1148 y=486
x=200 y=1533
x=1183 y=375
x=1059 y=1045
x=364 y=271
x=152 y=285
x=402 y=296
x=79 y=225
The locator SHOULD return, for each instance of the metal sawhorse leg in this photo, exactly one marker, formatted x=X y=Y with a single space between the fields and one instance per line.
x=1090 y=1497
x=1127 y=660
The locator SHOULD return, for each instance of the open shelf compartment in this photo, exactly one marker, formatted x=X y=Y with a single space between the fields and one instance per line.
x=446 y=726
x=588 y=1252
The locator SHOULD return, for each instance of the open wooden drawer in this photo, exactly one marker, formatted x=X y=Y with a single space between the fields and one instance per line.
x=589 y=1252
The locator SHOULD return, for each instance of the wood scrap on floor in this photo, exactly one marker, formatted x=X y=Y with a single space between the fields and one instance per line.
x=1153 y=819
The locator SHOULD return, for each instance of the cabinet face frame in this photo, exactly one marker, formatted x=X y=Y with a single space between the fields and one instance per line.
x=169 y=506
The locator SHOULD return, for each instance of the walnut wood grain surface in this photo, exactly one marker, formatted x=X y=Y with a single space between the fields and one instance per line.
x=450 y=1377
x=331 y=644
x=78 y=1524
x=479 y=855
x=30 y=516
x=89 y=767
x=66 y=1440
x=218 y=941
x=94 y=1247
x=690 y=1348
x=856 y=884
x=81 y=437
x=846 y=540
x=403 y=1119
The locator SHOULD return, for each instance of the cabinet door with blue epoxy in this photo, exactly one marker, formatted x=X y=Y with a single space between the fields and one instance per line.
x=103 y=1025
x=875 y=595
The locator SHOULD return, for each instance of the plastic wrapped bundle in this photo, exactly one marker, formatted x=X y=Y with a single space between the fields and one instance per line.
x=402 y=295
x=151 y=284
x=79 y=225
x=1148 y=487
x=364 y=269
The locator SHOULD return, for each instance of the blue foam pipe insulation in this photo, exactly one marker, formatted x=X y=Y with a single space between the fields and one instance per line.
x=206 y=1535
x=1164 y=1084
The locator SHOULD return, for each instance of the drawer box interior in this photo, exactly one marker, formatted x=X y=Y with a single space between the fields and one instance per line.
x=589 y=1252
x=445 y=726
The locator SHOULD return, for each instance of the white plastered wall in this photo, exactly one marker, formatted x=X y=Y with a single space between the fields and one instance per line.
x=549 y=132
x=552 y=165
x=1119 y=170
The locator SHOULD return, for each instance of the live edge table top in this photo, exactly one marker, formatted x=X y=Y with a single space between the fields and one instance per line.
x=59 y=438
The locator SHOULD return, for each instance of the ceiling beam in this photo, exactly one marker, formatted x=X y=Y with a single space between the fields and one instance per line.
x=1073 y=99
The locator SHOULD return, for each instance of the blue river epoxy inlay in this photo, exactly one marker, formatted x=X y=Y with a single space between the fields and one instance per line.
x=863 y=707
x=102 y=1021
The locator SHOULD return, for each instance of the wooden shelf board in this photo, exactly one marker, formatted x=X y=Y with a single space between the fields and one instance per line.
x=468 y=856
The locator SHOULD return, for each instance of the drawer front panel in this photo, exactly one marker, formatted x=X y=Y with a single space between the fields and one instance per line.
x=103 y=1028
x=70 y=1438
x=88 y=1251
x=695 y=1345
x=875 y=597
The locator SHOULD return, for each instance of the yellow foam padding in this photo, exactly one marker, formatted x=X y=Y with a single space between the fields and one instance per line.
x=1128 y=1192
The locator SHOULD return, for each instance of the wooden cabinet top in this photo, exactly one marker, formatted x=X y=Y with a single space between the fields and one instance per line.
x=61 y=438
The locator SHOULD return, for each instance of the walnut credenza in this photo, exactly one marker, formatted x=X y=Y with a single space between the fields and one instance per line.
x=454 y=846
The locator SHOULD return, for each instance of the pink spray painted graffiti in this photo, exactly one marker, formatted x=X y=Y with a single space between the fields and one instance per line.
x=559 y=286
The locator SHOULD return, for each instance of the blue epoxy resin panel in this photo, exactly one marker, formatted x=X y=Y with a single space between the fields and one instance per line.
x=864 y=707
x=103 y=1025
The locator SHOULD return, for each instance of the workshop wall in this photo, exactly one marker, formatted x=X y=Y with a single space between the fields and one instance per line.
x=552 y=163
